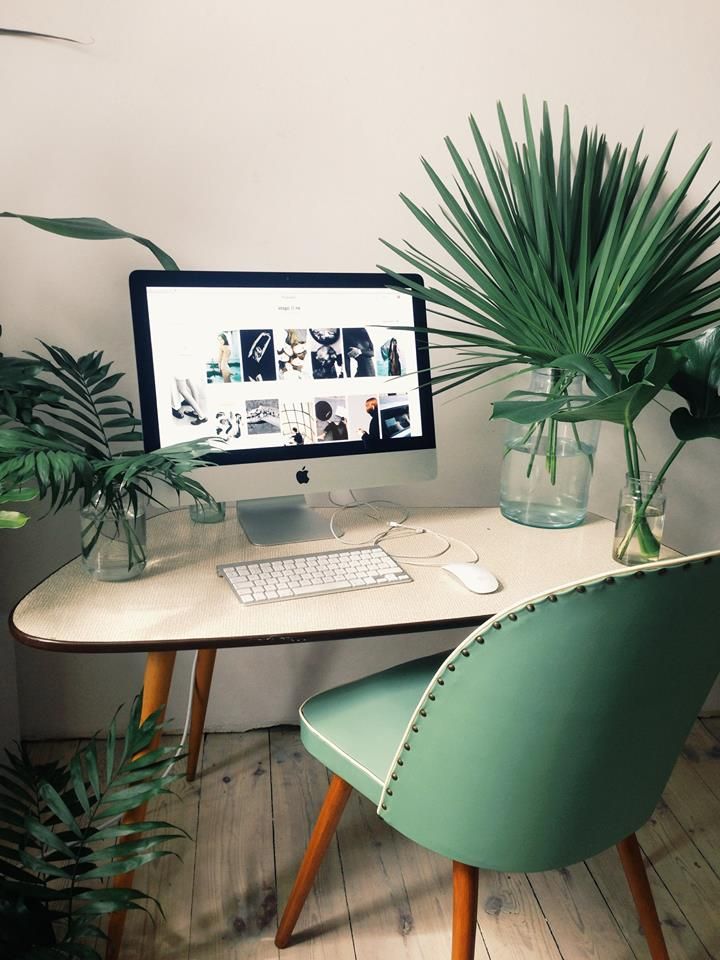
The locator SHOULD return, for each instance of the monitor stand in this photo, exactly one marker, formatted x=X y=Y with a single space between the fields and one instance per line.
x=281 y=520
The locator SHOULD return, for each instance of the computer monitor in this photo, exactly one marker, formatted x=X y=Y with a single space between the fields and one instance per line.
x=314 y=381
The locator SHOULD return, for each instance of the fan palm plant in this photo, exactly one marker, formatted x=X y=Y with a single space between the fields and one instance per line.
x=576 y=252
x=554 y=255
x=61 y=840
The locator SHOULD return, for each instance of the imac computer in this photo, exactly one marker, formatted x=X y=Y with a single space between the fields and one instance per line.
x=312 y=382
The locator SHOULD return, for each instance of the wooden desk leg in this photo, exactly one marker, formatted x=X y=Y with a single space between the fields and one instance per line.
x=156 y=688
x=200 y=698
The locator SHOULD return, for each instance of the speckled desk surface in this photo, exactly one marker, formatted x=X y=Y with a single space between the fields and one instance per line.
x=180 y=602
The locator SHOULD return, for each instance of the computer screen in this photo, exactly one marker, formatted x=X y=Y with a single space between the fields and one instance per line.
x=327 y=369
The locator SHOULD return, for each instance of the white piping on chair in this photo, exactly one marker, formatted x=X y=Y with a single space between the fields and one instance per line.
x=334 y=746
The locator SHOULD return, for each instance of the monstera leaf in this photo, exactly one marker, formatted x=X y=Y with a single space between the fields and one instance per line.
x=616 y=397
x=698 y=381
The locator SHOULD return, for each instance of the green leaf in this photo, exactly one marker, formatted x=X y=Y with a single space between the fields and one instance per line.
x=12 y=520
x=698 y=382
x=58 y=806
x=90 y=228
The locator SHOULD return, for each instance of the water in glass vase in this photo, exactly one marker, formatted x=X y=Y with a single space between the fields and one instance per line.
x=546 y=485
x=644 y=544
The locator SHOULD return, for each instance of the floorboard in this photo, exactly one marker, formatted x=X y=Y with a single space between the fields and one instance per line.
x=380 y=897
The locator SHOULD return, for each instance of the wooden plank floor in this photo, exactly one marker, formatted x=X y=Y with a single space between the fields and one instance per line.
x=380 y=897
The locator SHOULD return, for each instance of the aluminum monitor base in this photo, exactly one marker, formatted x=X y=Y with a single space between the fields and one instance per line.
x=281 y=520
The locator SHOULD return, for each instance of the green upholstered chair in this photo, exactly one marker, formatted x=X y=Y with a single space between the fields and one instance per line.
x=544 y=738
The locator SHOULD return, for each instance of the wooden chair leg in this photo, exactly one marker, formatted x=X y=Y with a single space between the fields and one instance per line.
x=333 y=805
x=200 y=698
x=465 y=902
x=637 y=879
x=156 y=688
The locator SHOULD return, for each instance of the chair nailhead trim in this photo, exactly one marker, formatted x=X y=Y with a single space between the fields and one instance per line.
x=383 y=806
x=497 y=625
x=407 y=746
x=639 y=574
x=609 y=579
x=423 y=713
x=479 y=639
x=466 y=653
x=552 y=598
x=400 y=762
x=394 y=776
x=414 y=728
x=441 y=682
x=530 y=607
x=451 y=666
x=512 y=616
x=581 y=589
x=388 y=792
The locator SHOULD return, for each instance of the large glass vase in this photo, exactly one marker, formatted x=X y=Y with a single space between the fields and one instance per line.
x=548 y=466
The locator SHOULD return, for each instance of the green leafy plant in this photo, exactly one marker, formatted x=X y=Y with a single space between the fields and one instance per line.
x=69 y=438
x=568 y=253
x=68 y=425
x=61 y=840
x=574 y=254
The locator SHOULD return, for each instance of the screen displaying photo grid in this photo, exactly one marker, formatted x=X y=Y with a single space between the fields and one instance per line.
x=283 y=366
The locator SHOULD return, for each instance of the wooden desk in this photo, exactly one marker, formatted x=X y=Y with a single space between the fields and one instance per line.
x=180 y=603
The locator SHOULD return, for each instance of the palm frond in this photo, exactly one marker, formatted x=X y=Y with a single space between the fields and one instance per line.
x=548 y=256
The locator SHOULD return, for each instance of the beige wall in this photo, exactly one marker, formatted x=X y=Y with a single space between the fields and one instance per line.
x=277 y=136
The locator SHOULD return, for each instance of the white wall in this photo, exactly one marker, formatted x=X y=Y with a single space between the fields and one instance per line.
x=277 y=136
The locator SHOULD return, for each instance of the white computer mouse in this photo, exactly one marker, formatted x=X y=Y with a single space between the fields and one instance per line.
x=473 y=577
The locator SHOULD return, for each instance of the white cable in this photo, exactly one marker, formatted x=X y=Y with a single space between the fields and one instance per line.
x=183 y=738
x=188 y=715
x=371 y=512
x=413 y=559
x=391 y=528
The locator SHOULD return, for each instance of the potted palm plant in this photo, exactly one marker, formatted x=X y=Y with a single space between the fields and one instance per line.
x=62 y=839
x=555 y=254
x=67 y=433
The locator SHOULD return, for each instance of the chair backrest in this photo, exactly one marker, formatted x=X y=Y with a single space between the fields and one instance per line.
x=549 y=734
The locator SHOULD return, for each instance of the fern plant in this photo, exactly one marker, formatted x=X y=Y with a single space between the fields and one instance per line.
x=61 y=840
x=72 y=435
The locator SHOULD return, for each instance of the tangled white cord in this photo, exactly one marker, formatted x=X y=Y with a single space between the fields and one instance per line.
x=393 y=529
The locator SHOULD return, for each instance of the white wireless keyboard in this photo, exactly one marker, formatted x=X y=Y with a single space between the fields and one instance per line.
x=311 y=574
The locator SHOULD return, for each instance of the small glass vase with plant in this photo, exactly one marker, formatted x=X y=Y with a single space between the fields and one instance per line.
x=545 y=255
x=67 y=434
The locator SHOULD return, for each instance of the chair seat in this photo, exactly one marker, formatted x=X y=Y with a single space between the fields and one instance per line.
x=355 y=729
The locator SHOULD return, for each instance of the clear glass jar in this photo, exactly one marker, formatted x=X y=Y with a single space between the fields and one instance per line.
x=640 y=519
x=113 y=540
x=548 y=466
x=207 y=512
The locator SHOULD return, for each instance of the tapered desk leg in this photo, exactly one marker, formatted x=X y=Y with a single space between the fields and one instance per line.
x=200 y=698
x=156 y=687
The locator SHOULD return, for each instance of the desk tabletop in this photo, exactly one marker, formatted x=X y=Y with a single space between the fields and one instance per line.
x=179 y=602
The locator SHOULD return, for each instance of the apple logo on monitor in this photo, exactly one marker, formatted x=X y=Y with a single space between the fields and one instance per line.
x=302 y=476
